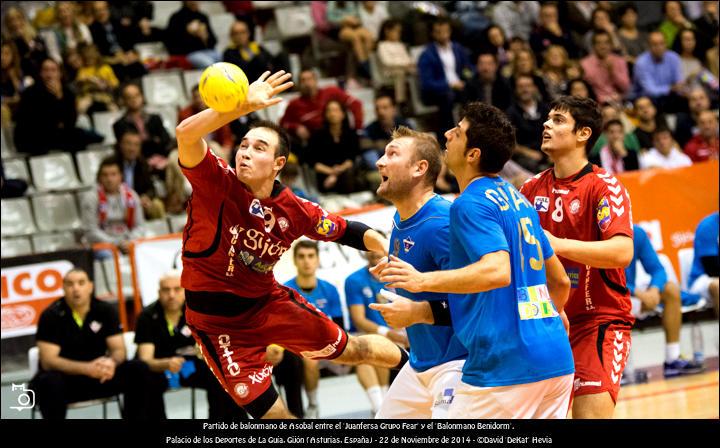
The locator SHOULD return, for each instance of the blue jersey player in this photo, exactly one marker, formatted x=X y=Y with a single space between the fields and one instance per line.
x=409 y=168
x=507 y=288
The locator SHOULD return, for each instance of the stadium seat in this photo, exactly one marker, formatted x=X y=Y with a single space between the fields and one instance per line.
x=221 y=24
x=7 y=148
x=56 y=211
x=177 y=222
x=130 y=346
x=685 y=260
x=191 y=78
x=88 y=162
x=419 y=108
x=294 y=21
x=16 y=168
x=162 y=12
x=54 y=172
x=17 y=218
x=211 y=8
x=53 y=242
x=156 y=227
x=169 y=115
x=34 y=365
x=103 y=122
x=367 y=97
x=164 y=88
x=14 y=247
x=151 y=51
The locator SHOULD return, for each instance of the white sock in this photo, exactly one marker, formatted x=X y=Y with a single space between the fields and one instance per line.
x=385 y=389
x=375 y=394
x=312 y=397
x=672 y=351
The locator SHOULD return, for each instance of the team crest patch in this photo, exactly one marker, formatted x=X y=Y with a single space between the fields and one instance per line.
x=408 y=244
x=575 y=206
x=283 y=223
x=367 y=292
x=242 y=390
x=326 y=227
x=256 y=208
x=542 y=204
x=95 y=326
x=603 y=214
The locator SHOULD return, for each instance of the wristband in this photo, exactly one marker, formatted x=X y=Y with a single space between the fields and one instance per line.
x=382 y=330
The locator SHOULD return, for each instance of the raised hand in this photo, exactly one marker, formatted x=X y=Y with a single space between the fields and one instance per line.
x=261 y=93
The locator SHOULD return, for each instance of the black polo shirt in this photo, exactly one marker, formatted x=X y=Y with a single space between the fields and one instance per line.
x=152 y=328
x=58 y=326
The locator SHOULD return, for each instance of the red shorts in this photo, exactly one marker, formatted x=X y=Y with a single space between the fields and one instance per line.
x=233 y=332
x=600 y=351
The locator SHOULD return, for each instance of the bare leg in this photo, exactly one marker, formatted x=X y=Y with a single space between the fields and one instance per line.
x=278 y=410
x=367 y=376
x=593 y=406
x=312 y=379
x=371 y=349
x=672 y=314
x=714 y=289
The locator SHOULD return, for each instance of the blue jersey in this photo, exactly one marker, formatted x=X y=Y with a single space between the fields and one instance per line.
x=422 y=241
x=361 y=288
x=514 y=334
x=325 y=297
x=706 y=245
x=649 y=259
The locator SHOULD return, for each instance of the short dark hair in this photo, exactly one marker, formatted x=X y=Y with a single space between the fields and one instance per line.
x=441 y=21
x=109 y=161
x=385 y=93
x=490 y=130
x=599 y=33
x=613 y=122
x=305 y=244
x=661 y=130
x=387 y=25
x=76 y=269
x=283 y=147
x=585 y=112
x=625 y=7
x=426 y=148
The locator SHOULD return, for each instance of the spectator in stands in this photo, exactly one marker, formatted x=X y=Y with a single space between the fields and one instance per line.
x=361 y=289
x=156 y=140
x=646 y=298
x=113 y=215
x=578 y=16
x=32 y=49
x=115 y=42
x=686 y=46
x=189 y=34
x=304 y=115
x=611 y=111
x=648 y=122
x=712 y=58
x=345 y=17
x=136 y=173
x=601 y=22
x=550 y=32
x=46 y=116
x=324 y=296
x=665 y=153
x=704 y=146
x=555 y=71
x=72 y=63
x=13 y=81
x=606 y=72
x=487 y=85
x=706 y=27
x=372 y=15
x=658 y=74
x=221 y=141
x=615 y=157
x=517 y=19
x=379 y=133
x=393 y=57
x=673 y=22
x=68 y=32
x=177 y=186
x=580 y=88
x=332 y=151
x=703 y=278
x=247 y=54
x=444 y=67
x=95 y=82
x=528 y=113
x=686 y=126
x=165 y=344
x=523 y=64
x=633 y=40
x=289 y=176
x=496 y=43
x=82 y=354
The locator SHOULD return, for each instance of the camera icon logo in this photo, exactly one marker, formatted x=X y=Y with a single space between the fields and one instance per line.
x=26 y=400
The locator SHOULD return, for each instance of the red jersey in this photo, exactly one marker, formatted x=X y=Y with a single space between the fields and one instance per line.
x=232 y=240
x=591 y=205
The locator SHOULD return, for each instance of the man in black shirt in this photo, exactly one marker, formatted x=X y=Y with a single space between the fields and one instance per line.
x=166 y=345
x=82 y=354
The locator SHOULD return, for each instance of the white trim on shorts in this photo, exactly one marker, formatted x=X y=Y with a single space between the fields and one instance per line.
x=701 y=286
x=416 y=394
x=539 y=400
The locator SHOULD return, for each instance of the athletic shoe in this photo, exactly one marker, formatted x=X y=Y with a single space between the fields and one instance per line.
x=312 y=412
x=681 y=367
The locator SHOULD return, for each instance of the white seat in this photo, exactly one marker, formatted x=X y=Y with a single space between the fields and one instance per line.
x=103 y=122
x=162 y=12
x=88 y=162
x=56 y=211
x=130 y=346
x=191 y=78
x=156 y=227
x=17 y=218
x=169 y=115
x=7 y=148
x=149 y=51
x=294 y=21
x=177 y=222
x=14 y=247
x=16 y=168
x=685 y=260
x=211 y=8
x=221 y=24
x=367 y=98
x=419 y=108
x=164 y=89
x=53 y=242
x=54 y=172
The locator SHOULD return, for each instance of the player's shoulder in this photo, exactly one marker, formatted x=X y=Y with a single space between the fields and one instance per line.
x=325 y=285
x=533 y=182
x=358 y=275
x=605 y=183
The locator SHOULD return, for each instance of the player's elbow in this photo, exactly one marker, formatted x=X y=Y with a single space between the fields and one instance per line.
x=624 y=254
x=183 y=131
x=502 y=277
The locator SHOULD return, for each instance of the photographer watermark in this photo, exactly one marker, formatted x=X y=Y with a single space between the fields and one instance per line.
x=26 y=399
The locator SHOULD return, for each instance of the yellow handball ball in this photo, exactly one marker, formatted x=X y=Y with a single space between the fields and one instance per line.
x=223 y=86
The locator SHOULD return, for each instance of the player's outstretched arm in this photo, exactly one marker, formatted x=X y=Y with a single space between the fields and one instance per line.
x=190 y=133
x=616 y=252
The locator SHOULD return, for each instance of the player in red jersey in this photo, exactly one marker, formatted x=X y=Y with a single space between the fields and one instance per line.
x=586 y=214
x=239 y=224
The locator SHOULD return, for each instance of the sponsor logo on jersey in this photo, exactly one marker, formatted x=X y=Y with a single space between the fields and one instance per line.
x=261 y=375
x=367 y=292
x=578 y=383
x=534 y=302
x=95 y=326
x=242 y=390
x=446 y=398
x=575 y=206
x=283 y=223
x=558 y=191
x=326 y=227
x=574 y=276
x=224 y=342
x=603 y=214
x=542 y=203
x=408 y=244
x=256 y=208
